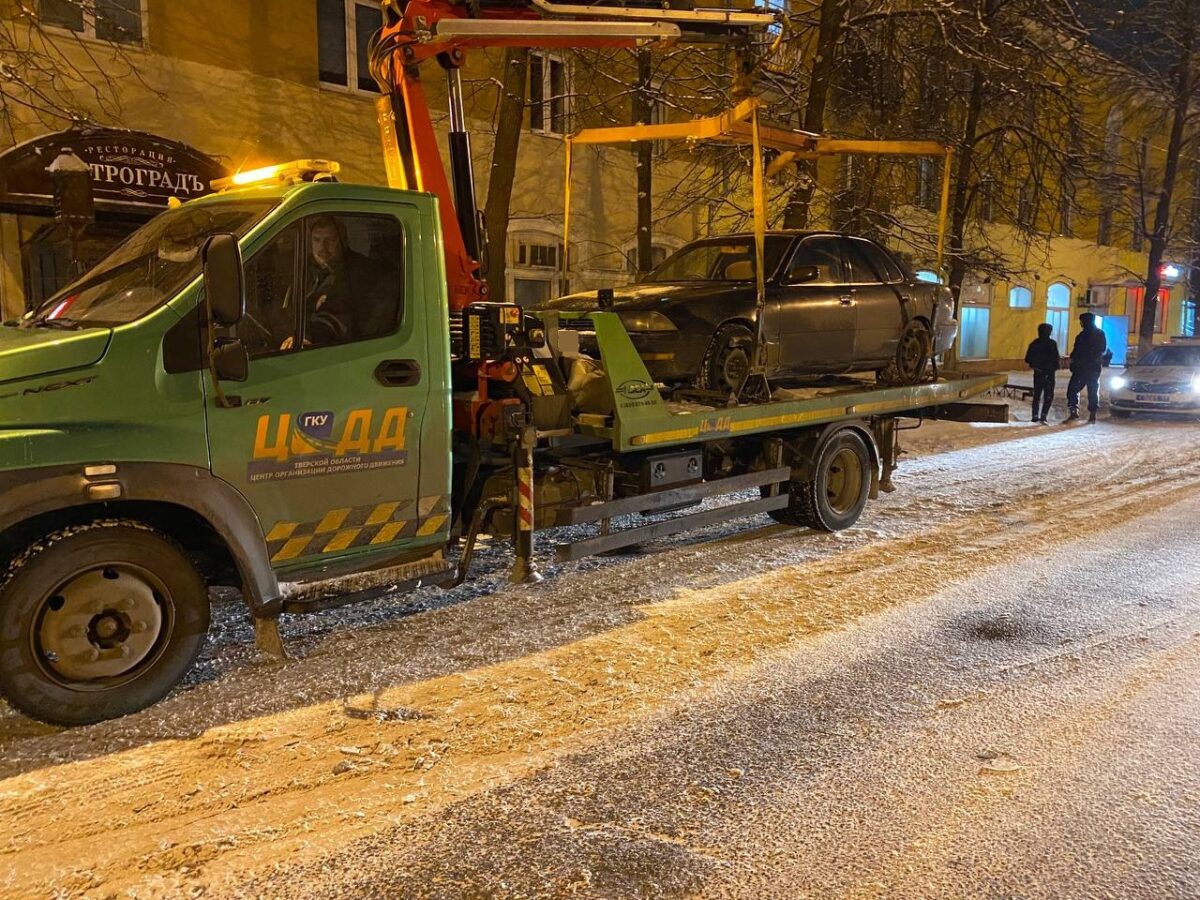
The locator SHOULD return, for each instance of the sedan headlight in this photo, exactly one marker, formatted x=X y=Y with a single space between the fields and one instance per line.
x=1118 y=383
x=646 y=321
x=1196 y=384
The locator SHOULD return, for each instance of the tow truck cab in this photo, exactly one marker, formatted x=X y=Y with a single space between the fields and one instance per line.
x=332 y=453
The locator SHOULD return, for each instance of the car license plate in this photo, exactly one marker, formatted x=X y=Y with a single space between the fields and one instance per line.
x=1154 y=398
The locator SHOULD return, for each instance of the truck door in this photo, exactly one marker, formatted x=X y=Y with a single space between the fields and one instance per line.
x=816 y=309
x=325 y=438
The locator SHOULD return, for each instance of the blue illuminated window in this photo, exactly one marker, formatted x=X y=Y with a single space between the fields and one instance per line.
x=1020 y=298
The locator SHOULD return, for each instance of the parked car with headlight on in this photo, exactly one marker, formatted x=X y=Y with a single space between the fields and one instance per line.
x=836 y=303
x=1165 y=380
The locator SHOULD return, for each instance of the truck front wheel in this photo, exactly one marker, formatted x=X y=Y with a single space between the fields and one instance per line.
x=834 y=498
x=98 y=621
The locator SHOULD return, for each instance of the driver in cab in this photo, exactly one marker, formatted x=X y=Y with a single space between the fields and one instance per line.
x=335 y=277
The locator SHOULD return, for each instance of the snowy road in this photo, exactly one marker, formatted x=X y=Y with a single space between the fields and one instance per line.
x=991 y=687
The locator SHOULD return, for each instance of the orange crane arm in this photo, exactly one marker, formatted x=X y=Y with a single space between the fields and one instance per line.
x=419 y=29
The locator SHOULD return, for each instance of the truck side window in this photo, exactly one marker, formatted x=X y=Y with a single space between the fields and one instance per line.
x=270 y=322
x=353 y=278
x=816 y=261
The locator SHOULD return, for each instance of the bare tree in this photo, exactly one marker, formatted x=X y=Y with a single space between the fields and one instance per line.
x=1159 y=67
x=510 y=112
x=54 y=76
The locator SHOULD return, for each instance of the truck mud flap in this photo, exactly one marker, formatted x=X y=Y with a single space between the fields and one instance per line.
x=665 y=500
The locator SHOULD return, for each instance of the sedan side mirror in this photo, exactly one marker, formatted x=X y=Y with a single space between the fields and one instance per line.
x=803 y=274
x=224 y=279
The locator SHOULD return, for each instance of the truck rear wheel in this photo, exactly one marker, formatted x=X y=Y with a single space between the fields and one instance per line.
x=835 y=497
x=98 y=621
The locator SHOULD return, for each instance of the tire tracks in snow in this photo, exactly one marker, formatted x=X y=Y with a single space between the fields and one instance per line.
x=161 y=815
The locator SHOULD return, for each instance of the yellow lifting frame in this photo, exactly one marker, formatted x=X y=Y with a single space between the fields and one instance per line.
x=740 y=125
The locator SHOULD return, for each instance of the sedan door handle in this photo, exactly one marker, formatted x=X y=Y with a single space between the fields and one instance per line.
x=847 y=300
x=398 y=372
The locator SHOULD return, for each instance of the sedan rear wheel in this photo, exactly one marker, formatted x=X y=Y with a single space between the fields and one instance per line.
x=727 y=359
x=912 y=355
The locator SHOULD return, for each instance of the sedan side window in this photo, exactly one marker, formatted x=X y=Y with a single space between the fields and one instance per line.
x=816 y=261
x=884 y=264
x=862 y=268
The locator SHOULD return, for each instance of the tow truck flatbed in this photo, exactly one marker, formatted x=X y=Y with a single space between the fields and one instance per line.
x=642 y=419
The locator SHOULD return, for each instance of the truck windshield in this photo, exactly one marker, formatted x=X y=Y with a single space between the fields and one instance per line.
x=724 y=260
x=1172 y=356
x=147 y=268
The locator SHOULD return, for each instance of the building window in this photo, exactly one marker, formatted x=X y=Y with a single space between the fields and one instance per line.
x=928 y=193
x=549 y=89
x=344 y=31
x=1066 y=214
x=535 y=263
x=658 y=253
x=1104 y=226
x=1025 y=212
x=1188 y=325
x=987 y=202
x=1058 y=311
x=929 y=277
x=1135 y=298
x=1020 y=298
x=975 y=293
x=120 y=21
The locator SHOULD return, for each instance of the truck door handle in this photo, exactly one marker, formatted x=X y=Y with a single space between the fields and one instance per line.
x=398 y=372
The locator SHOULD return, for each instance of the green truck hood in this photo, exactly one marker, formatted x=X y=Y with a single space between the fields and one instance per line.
x=30 y=352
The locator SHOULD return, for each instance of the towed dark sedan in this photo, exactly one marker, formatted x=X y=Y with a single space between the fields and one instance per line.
x=835 y=303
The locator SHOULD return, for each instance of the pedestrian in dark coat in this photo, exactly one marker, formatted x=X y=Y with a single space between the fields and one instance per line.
x=1087 y=362
x=1042 y=356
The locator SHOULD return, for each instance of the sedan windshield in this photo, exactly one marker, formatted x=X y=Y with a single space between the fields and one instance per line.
x=720 y=260
x=148 y=268
x=1172 y=356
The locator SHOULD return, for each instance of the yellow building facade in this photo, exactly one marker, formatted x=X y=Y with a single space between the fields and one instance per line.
x=245 y=84
x=248 y=84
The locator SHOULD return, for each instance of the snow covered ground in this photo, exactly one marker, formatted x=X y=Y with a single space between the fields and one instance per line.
x=988 y=687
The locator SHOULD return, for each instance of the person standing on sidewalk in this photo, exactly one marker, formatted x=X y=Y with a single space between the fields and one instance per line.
x=1087 y=362
x=1042 y=356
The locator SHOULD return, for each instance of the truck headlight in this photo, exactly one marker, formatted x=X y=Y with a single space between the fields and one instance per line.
x=646 y=321
x=1118 y=383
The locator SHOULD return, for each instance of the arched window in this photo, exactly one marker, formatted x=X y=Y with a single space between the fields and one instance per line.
x=1058 y=311
x=1020 y=298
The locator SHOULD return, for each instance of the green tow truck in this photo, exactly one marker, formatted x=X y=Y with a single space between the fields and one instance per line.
x=188 y=415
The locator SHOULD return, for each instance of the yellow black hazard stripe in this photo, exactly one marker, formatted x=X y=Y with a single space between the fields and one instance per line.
x=357 y=526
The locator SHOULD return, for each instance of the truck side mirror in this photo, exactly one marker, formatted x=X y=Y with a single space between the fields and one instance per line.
x=224 y=279
x=230 y=362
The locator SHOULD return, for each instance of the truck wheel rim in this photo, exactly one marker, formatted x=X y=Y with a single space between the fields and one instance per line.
x=843 y=483
x=102 y=626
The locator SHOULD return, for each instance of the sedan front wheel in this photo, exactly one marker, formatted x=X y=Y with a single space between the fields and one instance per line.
x=727 y=359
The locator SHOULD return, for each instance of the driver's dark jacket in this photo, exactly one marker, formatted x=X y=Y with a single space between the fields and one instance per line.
x=347 y=303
